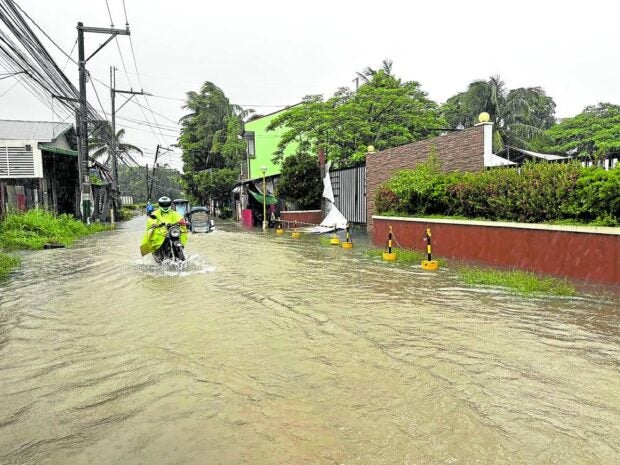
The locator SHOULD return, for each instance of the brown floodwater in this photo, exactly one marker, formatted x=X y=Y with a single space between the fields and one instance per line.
x=269 y=350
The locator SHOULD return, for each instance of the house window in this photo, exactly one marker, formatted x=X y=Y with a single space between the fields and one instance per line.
x=16 y=162
x=250 y=140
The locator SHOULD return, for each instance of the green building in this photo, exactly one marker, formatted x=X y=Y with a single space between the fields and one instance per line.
x=263 y=144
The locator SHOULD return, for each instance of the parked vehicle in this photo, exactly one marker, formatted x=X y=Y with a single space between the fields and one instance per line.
x=200 y=221
x=181 y=206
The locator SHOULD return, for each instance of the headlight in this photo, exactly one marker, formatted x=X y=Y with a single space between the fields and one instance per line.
x=175 y=232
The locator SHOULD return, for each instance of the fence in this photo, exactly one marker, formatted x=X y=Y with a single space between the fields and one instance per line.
x=349 y=186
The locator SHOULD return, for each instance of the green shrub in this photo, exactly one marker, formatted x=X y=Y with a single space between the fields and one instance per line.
x=532 y=193
x=421 y=190
x=7 y=263
x=35 y=228
x=596 y=197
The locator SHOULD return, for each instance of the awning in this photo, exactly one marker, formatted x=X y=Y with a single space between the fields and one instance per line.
x=58 y=150
x=270 y=200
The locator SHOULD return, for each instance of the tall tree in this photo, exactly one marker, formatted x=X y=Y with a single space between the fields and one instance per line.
x=210 y=139
x=593 y=134
x=301 y=181
x=519 y=115
x=368 y=72
x=384 y=112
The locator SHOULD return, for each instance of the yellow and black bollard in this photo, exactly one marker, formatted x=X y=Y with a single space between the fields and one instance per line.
x=429 y=264
x=334 y=240
x=280 y=230
x=295 y=234
x=389 y=255
x=348 y=244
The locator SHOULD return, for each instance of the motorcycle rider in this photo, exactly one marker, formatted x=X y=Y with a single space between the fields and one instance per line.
x=155 y=235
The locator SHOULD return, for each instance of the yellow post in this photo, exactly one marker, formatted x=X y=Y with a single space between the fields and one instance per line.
x=429 y=264
x=334 y=240
x=295 y=234
x=279 y=231
x=389 y=255
x=348 y=244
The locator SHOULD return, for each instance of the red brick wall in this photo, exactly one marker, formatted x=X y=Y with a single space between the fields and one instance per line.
x=587 y=256
x=457 y=151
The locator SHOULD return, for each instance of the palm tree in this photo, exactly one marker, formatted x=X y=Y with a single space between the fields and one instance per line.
x=101 y=144
x=203 y=129
x=368 y=72
x=519 y=115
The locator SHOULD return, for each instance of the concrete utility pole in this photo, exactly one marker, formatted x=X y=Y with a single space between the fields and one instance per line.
x=82 y=123
x=114 y=148
x=150 y=191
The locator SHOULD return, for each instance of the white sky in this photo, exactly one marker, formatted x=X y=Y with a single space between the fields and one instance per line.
x=269 y=53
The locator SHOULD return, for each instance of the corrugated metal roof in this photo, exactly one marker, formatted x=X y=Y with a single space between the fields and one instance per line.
x=44 y=131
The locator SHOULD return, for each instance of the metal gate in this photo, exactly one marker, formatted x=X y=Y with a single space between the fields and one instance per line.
x=349 y=186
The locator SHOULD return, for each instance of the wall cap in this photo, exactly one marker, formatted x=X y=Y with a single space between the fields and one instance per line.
x=612 y=231
x=300 y=211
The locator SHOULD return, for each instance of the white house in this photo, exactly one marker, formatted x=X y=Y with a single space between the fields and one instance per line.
x=38 y=166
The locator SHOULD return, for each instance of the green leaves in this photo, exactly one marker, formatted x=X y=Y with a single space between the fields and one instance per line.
x=519 y=115
x=537 y=192
x=301 y=182
x=212 y=148
x=594 y=133
x=383 y=112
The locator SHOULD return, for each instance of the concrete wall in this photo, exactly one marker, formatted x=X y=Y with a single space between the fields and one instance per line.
x=588 y=253
x=303 y=217
x=457 y=151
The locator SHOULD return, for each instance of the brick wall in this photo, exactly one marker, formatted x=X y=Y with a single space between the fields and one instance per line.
x=457 y=151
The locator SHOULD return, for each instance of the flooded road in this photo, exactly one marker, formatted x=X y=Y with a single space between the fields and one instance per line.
x=267 y=350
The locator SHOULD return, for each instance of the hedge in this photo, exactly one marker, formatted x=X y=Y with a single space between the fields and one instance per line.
x=532 y=193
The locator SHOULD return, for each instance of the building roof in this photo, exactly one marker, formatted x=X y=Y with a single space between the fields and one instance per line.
x=43 y=131
x=518 y=155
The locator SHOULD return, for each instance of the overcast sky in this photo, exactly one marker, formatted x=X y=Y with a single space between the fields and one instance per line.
x=270 y=53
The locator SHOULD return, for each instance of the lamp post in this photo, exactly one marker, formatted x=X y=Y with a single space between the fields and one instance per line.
x=264 y=170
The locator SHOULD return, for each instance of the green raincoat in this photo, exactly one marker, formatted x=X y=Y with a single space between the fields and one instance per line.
x=154 y=236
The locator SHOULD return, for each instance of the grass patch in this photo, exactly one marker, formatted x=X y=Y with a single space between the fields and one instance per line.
x=405 y=256
x=7 y=264
x=521 y=282
x=35 y=228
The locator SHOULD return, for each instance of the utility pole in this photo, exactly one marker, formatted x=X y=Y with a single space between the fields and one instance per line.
x=114 y=148
x=82 y=123
x=150 y=191
x=146 y=181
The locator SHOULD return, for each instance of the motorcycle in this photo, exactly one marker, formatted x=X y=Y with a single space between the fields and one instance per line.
x=171 y=248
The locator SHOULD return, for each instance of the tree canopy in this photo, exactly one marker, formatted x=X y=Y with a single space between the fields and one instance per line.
x=519 y=115
x=384 y=112
x=594 y=133
x=210 y=139
x=301 y=181
x=132 y=181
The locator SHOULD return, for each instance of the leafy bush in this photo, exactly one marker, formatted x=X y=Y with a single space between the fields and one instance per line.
x=596 y=197
x=535 y=192
x=35 y=228
x=420 y=190
x=7 y=263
